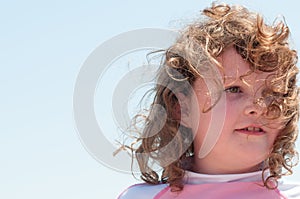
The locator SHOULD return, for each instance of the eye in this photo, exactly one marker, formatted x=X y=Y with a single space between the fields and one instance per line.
x=233 y=89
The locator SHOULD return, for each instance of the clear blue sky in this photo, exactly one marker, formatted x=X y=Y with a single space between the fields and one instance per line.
x=43 y=45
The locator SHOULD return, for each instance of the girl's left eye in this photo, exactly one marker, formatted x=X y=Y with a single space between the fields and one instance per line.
x=233 y=89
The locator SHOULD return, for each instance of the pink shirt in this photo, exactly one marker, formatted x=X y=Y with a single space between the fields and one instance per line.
x=228 y=186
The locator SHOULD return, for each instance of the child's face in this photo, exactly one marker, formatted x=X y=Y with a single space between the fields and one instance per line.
x=245 y=139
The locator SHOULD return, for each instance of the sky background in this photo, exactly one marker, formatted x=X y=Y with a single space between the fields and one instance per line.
x=43 y=45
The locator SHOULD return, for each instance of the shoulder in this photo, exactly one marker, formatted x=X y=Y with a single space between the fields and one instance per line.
x=289 y=189
x=143 y=190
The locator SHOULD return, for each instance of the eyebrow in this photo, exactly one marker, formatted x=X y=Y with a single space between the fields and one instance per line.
x=241 y=78
x=230 y=80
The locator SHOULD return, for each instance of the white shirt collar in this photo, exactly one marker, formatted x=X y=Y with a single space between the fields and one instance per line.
x=198 y=178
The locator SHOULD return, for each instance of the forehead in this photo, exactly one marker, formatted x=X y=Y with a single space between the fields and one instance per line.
x=235 y=68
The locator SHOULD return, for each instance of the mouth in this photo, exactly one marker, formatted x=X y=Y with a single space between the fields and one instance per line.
x=251 y=130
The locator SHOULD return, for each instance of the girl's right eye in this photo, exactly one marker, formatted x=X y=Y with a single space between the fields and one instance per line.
x=233 y=89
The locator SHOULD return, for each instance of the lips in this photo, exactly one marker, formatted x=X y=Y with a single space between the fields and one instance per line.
x=251 y=130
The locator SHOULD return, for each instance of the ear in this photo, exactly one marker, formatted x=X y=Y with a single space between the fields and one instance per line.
x=182 y=110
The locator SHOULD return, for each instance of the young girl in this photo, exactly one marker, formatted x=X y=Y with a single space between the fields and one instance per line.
x=229 y=125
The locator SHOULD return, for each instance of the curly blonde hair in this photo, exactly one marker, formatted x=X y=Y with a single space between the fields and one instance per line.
x=264 y=46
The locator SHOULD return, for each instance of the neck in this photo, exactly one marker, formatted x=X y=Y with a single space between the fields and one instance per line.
x=207 y=166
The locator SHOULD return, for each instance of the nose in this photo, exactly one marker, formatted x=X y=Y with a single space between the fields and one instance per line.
x=253 y=109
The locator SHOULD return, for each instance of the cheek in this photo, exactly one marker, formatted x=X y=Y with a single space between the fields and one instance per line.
x=272 y=137
x=200 y=122
x=201 y=118
x=196 y=114
x=210 y=127
x=231 y=113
